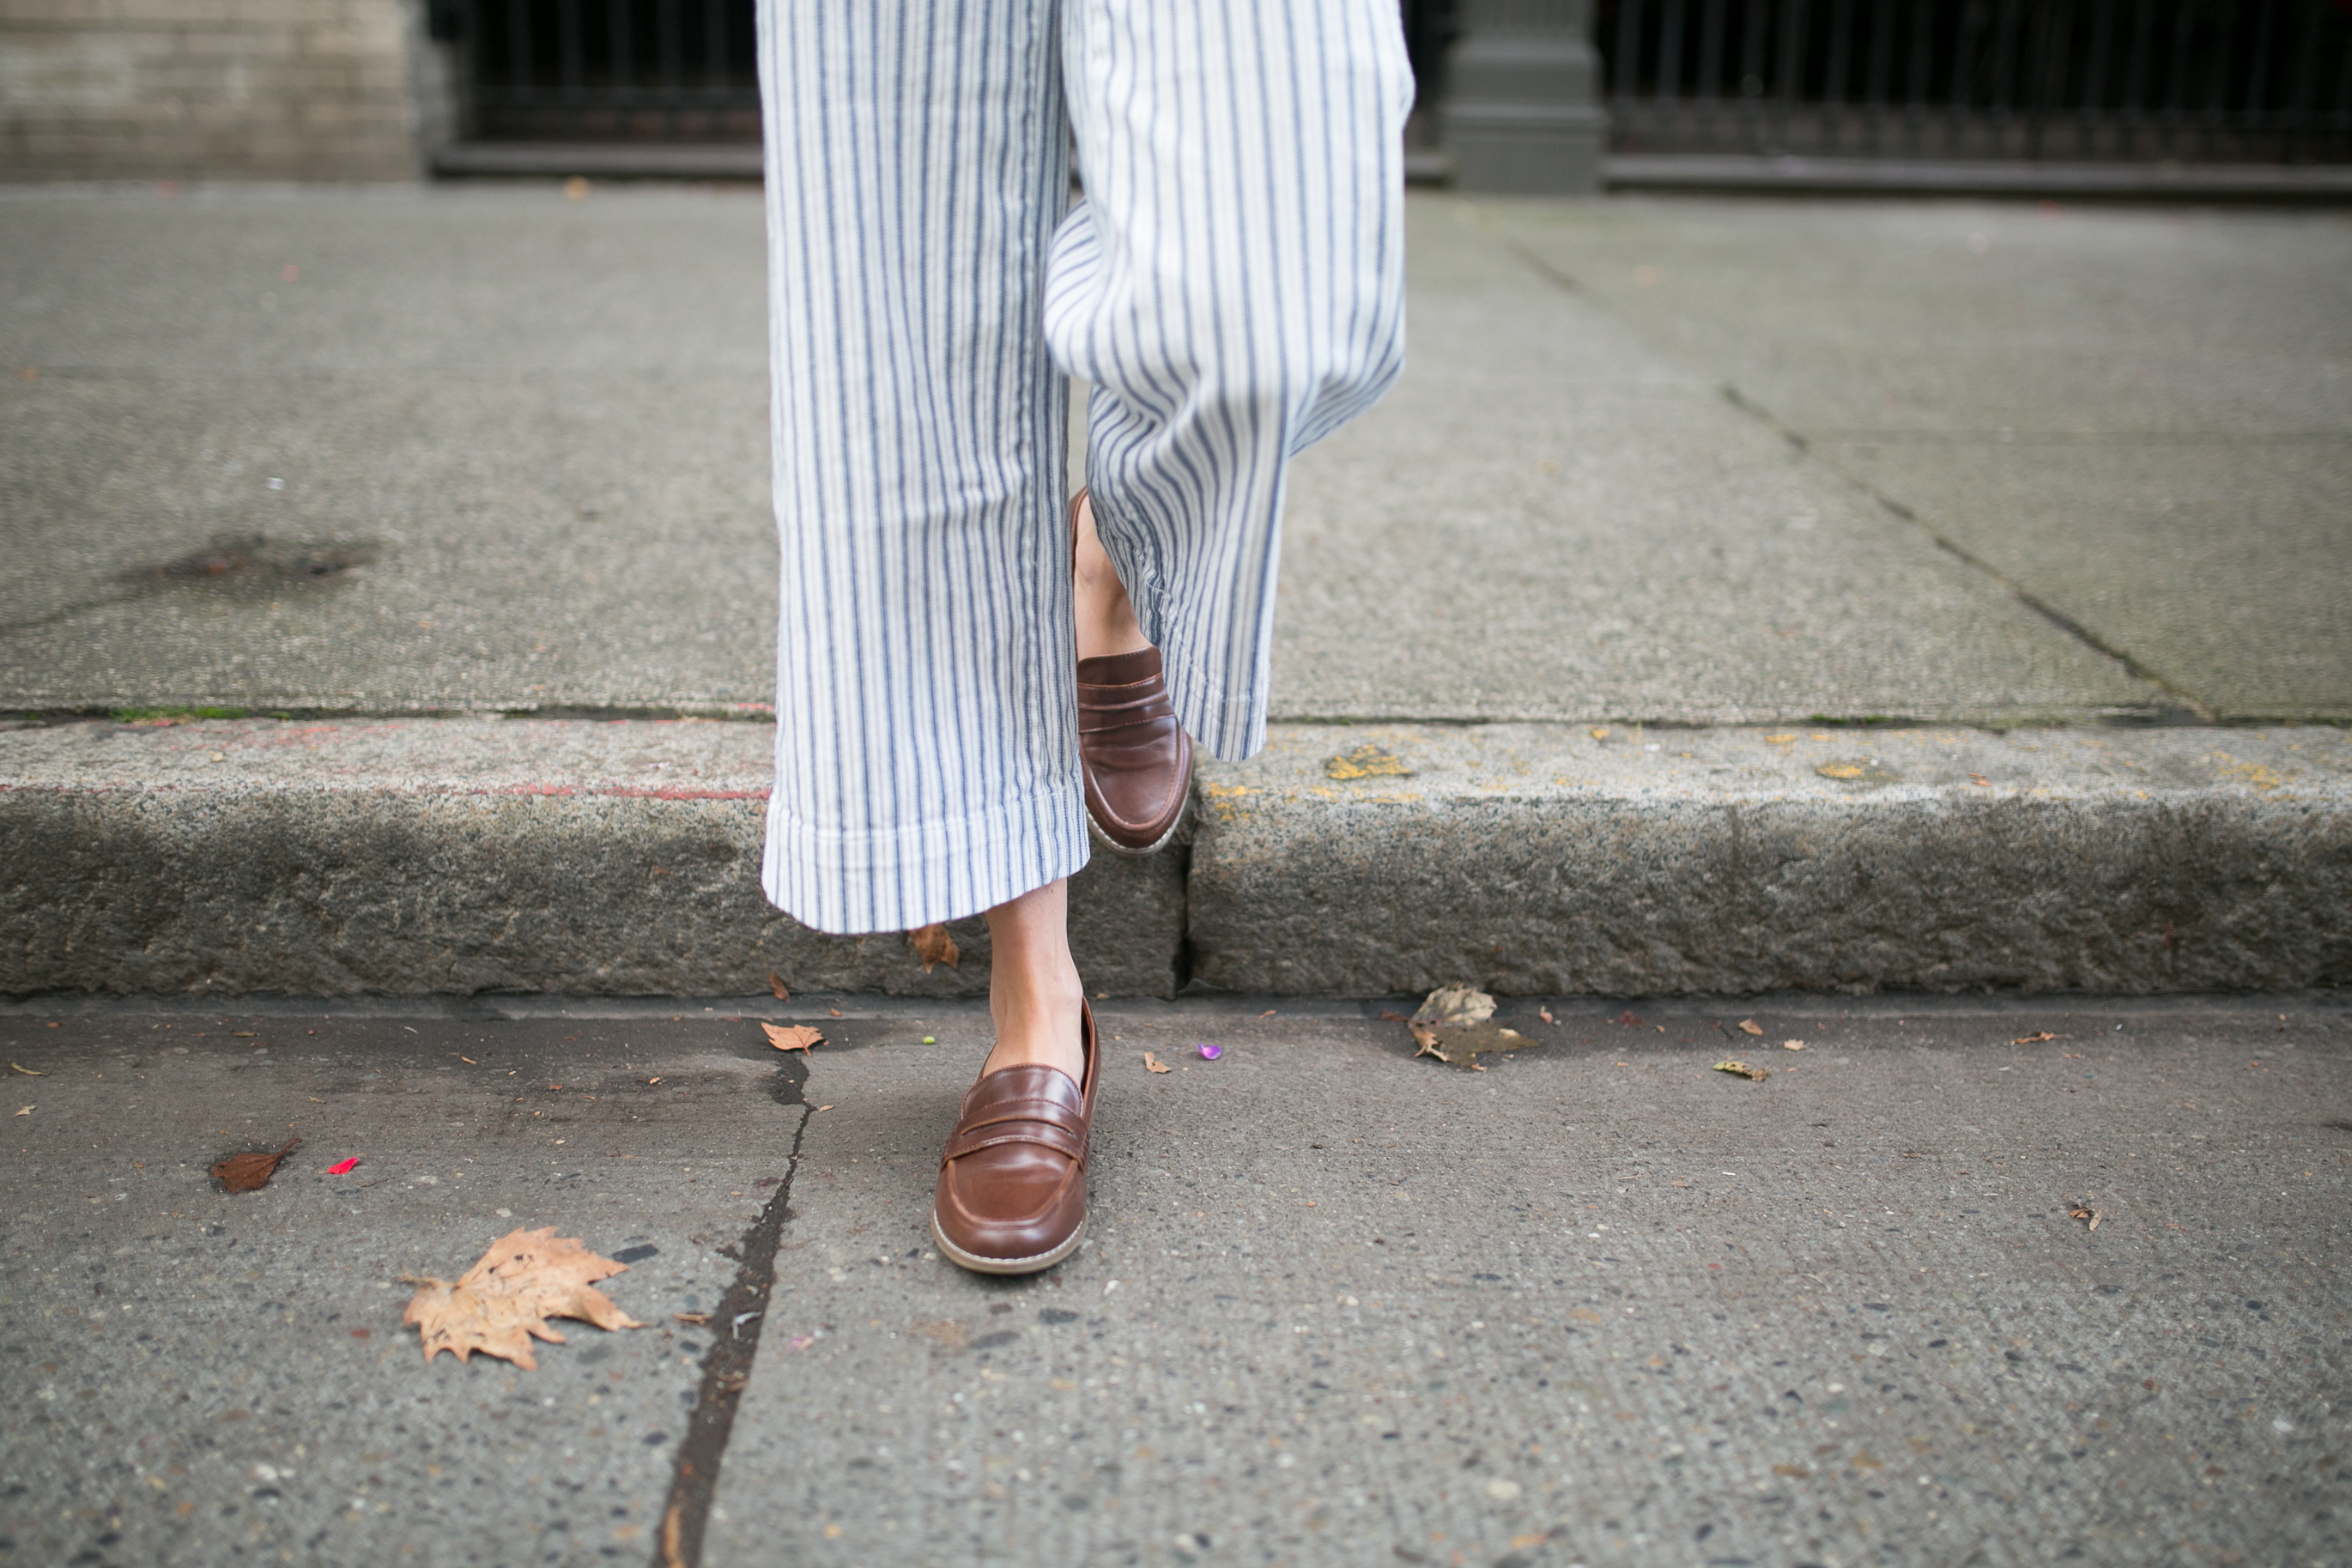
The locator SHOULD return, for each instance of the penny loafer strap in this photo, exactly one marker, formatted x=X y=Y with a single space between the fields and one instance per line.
x=1019 y=1126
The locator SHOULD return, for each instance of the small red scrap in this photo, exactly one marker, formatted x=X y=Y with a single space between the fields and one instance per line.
x=345 y=1169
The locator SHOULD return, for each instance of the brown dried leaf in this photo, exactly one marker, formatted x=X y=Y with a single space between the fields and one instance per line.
x=1750 y=1025
x=1153 y=1065
x=776 y=984
x=501 y=1303
x=249 y=1172
x=1741 y=1070
x=2084 y=1211
x=2033 y=1039
x=791 y=1036
x=1459 y=1044
x=934 y=946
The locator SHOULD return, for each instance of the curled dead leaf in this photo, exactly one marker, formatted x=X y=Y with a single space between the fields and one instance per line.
x=251 y=1171
x=2033 y=1039
x=1454 y=1005
x=791 y=1036
x=501 y=1303
x=1792 y=1045
x=1153 y=1065
x=1750 y=1025
x=776 y=984
x=934 y=946
x=1741 y=1070
x=2084 y=1211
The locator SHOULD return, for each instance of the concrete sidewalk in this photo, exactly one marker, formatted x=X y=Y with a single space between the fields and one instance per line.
x=1657 y=464
x=1597 y=1303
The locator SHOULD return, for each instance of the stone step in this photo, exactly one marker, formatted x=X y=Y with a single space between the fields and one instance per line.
x=460 y=855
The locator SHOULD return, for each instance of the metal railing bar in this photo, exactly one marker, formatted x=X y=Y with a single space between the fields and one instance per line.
x=1882 y=63
x=1669 y=96
x=1629 y=55
x=2258 y=68
x=670 y=28
x=2217 y=108
x=1964 y=29
x=624 y=54
x=1710 y=66
x=2004 y=103
x=2094 y=76
x=518 y=40
x=1793 y=43
x=1751 y=72
x=567 y=28
x=1835 y=81
x=2176 y=98
x=1915 y=117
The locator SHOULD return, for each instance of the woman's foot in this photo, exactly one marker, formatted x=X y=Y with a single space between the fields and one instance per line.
x=1011 y=1196
x=1137 y=760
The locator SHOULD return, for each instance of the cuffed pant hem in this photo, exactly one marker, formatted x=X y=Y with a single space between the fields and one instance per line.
x=900 y=879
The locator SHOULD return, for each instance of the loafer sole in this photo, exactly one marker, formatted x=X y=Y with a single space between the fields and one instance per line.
x=980 y=1265
x=1094 y=829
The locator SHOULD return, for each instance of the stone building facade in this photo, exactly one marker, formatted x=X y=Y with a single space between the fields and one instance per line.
x=239 y=90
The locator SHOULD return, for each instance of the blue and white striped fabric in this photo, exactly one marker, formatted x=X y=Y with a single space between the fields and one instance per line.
x=1233 y=286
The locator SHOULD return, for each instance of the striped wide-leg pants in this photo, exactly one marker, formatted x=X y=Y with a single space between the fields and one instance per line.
x=1231 y=286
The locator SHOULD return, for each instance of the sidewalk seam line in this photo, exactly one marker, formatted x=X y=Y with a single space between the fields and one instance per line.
x=2032 y=601
x=694 y=1482
x=1731 y=394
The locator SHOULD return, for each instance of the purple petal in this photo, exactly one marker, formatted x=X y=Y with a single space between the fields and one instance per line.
x=1210 y=1053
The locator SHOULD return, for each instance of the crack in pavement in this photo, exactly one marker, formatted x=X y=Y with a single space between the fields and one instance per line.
x=735 y=1328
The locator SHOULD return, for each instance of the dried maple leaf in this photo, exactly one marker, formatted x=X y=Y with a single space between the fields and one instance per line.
x=776 y=984
x=249 y=1172
x=501 y=1303
x=1153 y=1065
x=791 y=1036
x=934 y=946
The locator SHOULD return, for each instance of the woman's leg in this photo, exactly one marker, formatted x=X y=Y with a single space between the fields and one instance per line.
x=1033 y=992
x=1233 y=286
x=1106 y=616
x=926 y=738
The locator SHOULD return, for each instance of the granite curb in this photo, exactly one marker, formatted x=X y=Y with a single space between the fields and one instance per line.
x=460 y=856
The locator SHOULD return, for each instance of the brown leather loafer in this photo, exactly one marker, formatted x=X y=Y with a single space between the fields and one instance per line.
x=1012 y=1184
x=1137 y=758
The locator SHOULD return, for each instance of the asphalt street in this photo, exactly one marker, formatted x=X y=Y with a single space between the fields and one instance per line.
x=1962 y=1281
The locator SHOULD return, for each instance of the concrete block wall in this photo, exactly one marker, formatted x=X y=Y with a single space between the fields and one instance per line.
x=223 y=89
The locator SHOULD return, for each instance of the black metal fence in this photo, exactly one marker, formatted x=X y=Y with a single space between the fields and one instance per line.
x=2203 y=80
x=605 y=70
